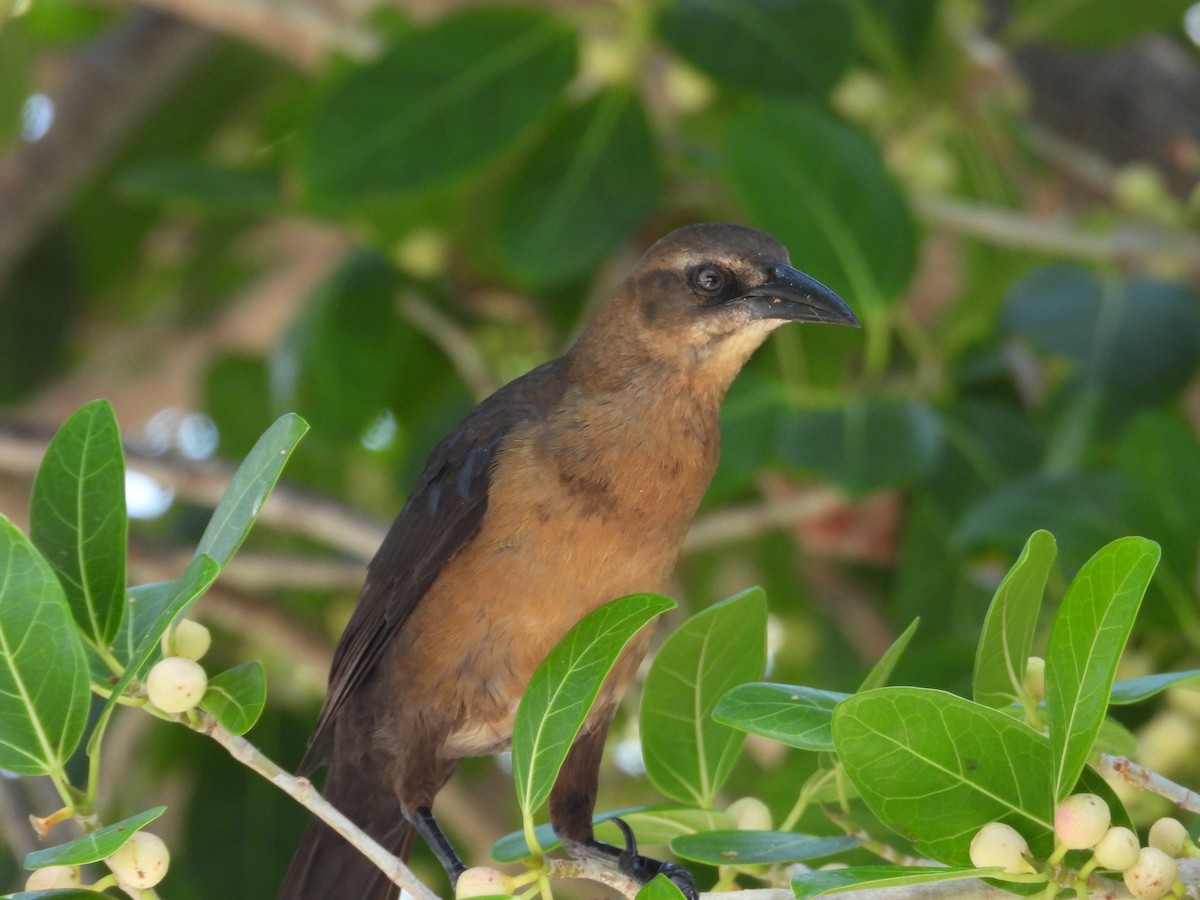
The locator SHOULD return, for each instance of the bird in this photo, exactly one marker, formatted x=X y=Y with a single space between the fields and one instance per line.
x=567 y=488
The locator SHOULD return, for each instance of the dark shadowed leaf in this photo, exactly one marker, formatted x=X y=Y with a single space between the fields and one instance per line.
x=77 y=518
x=589 y=181
x=822 y=189
x=43 y=670
x=799 y=48
x=95 y=846
x=438 y=102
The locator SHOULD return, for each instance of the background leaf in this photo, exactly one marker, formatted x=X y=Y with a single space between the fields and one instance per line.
x=687 y=754
x=95 y=846
x=1085 y=645
x=43 y=670
x=1010 y=624
x=77 y=518
x=1134 y=690
x=236 y=697
x=563 y=687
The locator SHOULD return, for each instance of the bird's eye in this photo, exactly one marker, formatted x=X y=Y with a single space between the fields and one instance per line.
x=709 y=279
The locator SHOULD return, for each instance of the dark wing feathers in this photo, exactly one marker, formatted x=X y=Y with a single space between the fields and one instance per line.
x=441 y=516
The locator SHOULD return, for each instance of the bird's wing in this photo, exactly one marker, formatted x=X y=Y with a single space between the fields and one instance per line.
x=441 y=516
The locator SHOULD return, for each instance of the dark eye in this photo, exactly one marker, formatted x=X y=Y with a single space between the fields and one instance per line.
x=709 y=279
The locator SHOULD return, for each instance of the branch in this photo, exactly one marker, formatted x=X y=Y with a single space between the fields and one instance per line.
x=1141 y=777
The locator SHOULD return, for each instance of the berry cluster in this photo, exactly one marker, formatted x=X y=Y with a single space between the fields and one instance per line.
x=139 y=864
x=1083 y=822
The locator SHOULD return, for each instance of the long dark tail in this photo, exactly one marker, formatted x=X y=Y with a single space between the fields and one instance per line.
x=325 y=866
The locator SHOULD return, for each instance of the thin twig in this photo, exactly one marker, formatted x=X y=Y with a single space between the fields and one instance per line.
x=1141 y=777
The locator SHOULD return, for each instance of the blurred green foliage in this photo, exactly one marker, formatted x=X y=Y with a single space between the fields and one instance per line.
x=505 y=164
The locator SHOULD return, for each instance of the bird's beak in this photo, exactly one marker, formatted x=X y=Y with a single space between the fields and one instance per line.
x=791 y=295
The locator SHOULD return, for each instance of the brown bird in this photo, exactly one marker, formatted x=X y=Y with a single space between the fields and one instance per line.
x=567 y=488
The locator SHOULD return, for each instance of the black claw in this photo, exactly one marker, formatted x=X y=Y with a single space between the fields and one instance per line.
x=643 y=868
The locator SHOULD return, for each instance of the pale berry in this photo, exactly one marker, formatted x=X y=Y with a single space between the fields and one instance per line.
x=1169 y=836
x=1118 y=849
x=480 y=881
x=1081 y=820
x=190 y=640
x=141 y=862
x=749 y=814
x=1152 y=876
x=176 y=684
x=52 y=877
x=997 y=844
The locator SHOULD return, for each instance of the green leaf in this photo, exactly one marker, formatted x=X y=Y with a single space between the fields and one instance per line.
x=201 y=572
x=143 y=605
x=1095 y=25
x=842 y=444
x=687 y=754
x=591 y=179
x=438 y=102
x=199 y=186
x=43 y=669
x=1134 y=690
x=653 y=825
x=660 y=887
x=563 y=688
x=1010 y=624
x=93 y=847
x=833 y=881
x=823 y=190
x=796 y=49
x=1085 y=645
x=77 y=518
x=882 y=670
x=744 y=848
x=252 y=483
x=935 y=768
x=236 y=697
x=797 y=716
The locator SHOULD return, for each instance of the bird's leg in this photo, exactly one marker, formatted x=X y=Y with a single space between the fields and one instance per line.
x=571 y=805
x=426 y=825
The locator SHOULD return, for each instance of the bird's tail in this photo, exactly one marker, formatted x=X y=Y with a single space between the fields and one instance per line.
x=326 y=866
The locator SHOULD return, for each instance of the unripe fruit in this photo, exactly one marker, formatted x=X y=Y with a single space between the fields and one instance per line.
x=190 y=640
x=1118 y=849
x=176 y=684
x=1152 y=876
x=1169 y=836
x=480 y=881
x=1035 y=678
x=141 y=862
x=52 y=877
x=749 y=814
x=1081 y=821
x=998 y=844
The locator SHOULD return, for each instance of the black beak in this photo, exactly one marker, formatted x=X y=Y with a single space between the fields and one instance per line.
x=791 y=295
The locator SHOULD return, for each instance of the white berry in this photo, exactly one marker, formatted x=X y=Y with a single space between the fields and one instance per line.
x=749 y=814
x=141 y=862
x=997 y=844
x=1081 y=820
x=1152 y=876
x=53 y=877
x=1169 y=836
x=1118 y=849
x=176 y=684
x=1035 y=678
x=480 y=881
x=190 y=640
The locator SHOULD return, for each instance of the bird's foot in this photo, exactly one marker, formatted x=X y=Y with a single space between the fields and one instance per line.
x=629 y=862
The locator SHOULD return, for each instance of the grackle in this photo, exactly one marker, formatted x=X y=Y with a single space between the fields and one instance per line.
x=567 y=488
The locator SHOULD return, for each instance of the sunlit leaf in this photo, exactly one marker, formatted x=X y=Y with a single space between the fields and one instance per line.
x=93 y=847
x=798 y=716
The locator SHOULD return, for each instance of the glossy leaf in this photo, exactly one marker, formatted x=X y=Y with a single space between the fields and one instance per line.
x=143 y=605
x=737 y=848
x=251 y=484
x=438 y=102
x=77 y=518
x=835 y=881
x=43 y=669
x=93 y=847
x=881 y=672
x=590 y=180
x=236 y=697
x=1010 y=624
x=935 y=768
x=1134 y=690
x=688 y=755
x=653 y=825
x=660 y=887
x=563 y=688
x=796 y=49
x=822 y=189
x=1085 y=645
x=797 y=716
x=843 y=444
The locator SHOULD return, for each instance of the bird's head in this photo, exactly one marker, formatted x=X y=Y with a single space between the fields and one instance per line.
x=710 y=294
